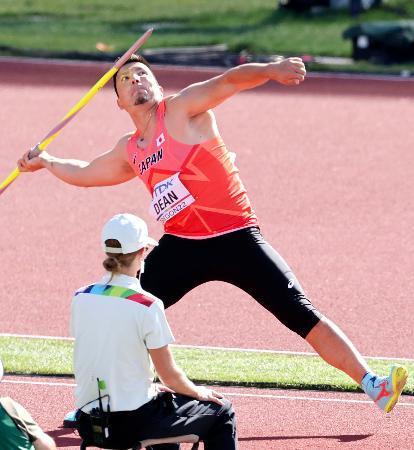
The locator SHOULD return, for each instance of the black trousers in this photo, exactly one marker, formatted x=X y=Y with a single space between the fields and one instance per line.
x=242 y=258
x=169 y=415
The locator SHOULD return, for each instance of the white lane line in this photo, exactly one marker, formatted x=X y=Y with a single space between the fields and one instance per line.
x=206 y=347
x=228 y=394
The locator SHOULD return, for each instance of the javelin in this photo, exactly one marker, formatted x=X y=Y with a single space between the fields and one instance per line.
x=81 y=103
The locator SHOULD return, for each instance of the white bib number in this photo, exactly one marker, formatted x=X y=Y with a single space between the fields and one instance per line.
x=169 y=198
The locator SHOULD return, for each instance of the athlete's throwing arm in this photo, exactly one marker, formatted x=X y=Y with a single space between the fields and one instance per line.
x=112 y=167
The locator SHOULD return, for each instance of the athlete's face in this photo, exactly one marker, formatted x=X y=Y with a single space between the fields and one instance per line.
x=136 y=85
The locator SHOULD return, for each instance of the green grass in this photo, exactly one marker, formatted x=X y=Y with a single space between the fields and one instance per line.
x=256 y=26
x=224 y=367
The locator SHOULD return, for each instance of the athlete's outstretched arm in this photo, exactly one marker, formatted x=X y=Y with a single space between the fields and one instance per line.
x=200 y=97
x=106 y=170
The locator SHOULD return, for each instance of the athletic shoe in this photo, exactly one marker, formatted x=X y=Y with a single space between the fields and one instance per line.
x=385 y=391
x=70 y=420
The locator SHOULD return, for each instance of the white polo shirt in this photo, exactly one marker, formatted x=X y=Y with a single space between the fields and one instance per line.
x=114 y=324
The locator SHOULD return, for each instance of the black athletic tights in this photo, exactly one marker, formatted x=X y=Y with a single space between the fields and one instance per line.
x=242 y=258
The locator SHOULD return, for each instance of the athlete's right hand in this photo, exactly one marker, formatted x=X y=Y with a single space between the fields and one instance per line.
x=287 y=71
x=32 y=161
x=208 y=395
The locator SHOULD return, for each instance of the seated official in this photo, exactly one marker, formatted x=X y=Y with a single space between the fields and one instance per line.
x=118 y=329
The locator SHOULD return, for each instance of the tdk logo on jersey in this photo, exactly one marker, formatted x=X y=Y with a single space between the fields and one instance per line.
x=160 y=188
x=150 y=161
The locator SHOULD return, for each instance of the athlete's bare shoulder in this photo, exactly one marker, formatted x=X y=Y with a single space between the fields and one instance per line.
x=171 y=102
x=174 y=111
x=191 y=129
x=175 y=104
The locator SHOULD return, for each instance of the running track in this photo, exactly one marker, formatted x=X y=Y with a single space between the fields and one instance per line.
x=328 y=167
x=268 y=419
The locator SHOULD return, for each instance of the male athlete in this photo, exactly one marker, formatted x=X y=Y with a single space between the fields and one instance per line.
x=199 y=198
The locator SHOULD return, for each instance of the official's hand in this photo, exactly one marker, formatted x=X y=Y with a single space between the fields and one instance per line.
x=161 y=388
x=208 y=395
x=32 y=161
x=289 y=71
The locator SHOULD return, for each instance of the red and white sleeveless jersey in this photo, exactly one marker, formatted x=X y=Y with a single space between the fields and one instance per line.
x=197 y=192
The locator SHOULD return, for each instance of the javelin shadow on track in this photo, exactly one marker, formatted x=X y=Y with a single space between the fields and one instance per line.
x=65 y=437
x=338 y=437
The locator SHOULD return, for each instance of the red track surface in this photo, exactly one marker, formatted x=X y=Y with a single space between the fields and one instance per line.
x=329 y=168
x=267 y=419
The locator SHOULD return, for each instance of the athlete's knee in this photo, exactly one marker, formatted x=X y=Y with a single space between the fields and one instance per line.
x=300 y=315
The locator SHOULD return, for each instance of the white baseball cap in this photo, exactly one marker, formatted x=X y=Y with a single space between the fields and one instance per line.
x=131 y=232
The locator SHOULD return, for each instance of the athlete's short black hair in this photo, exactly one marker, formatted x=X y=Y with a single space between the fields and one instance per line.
x=132 y=59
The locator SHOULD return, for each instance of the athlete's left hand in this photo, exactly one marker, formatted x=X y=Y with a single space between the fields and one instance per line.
x=288 y=71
